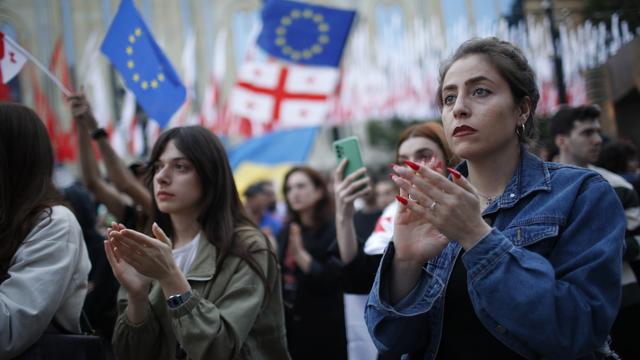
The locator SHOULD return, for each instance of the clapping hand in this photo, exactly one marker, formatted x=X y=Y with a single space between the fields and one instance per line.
x=416 y=239
x=149 y=256
x=296 y=248
x=136 y=284
x=452 y=207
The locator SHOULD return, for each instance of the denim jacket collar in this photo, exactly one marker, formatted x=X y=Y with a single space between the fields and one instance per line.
x=532 y=174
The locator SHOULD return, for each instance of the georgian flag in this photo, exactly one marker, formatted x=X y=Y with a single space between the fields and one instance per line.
x=383 y=232
x=276 y=95
x=11 y=59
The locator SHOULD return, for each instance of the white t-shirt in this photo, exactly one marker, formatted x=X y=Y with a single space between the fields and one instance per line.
x=185 y=255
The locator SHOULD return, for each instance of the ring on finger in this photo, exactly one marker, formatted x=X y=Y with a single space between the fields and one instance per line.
x=433 y=206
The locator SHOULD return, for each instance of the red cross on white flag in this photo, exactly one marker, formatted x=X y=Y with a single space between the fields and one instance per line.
x=11 y=60
x=274 y=95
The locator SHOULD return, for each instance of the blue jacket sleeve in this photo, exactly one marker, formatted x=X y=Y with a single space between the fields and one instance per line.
x=403 y=327
x=565 y=304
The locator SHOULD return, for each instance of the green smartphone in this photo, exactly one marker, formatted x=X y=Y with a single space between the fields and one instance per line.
x=348 y=148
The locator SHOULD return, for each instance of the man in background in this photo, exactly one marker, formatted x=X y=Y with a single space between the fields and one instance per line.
x=576 y=133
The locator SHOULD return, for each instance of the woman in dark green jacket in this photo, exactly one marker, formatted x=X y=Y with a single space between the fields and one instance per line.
x=206 y=285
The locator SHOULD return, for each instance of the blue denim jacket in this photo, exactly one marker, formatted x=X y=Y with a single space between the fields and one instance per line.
x=545 y=281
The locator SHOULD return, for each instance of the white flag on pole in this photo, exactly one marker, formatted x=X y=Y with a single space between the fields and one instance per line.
x=11 y=59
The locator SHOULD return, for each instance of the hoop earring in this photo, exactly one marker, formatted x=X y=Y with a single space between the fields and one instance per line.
x=520 y=131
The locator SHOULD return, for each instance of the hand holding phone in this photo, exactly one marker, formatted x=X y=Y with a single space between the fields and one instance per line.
x=348 y=148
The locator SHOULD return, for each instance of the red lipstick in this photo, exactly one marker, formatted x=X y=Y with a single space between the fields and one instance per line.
x=463 y=130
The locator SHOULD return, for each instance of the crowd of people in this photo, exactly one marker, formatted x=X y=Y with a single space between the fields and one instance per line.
x=473 y=247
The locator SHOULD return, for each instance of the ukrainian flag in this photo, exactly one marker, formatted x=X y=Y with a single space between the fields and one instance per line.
x=269 y=157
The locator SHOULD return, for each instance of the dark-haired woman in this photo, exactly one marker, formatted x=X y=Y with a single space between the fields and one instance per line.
x=43 y=258
x=206 y=285
x=311 y=269
x=510 y=258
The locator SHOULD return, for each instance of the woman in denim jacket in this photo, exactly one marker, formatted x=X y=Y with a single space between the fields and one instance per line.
x=510 y=258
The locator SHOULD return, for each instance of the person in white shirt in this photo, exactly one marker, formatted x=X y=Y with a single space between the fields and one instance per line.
x=44 y=263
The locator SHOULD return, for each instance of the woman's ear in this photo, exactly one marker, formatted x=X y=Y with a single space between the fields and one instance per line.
x=524 y=110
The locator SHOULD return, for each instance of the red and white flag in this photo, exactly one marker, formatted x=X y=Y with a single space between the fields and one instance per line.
x=383 y=232
x=95 y=84
x=121 y=135
x=274 y=95
x=11 y=59
x=211 y=113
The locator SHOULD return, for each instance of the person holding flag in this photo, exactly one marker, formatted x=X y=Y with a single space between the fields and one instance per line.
x=126 y=197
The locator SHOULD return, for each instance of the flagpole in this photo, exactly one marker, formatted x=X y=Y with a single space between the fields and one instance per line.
x=24 y=52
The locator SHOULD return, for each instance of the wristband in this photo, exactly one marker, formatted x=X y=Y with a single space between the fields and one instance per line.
x=99 y=133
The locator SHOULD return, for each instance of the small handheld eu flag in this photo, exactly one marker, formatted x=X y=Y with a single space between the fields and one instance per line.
x=146 y=71
x=304 y=33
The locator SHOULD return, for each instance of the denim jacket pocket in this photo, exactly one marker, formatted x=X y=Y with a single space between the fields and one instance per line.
x=536 y=234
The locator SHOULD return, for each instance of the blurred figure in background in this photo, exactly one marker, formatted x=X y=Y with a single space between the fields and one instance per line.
x=126 y=197
x=576 y=132
x=385 y=191
x=311 y=269
x=361 y=252
x=275 y=208
x=358 y=339
x=621 y=157
x=99 y=305
x=260 y=203
x=43 y=257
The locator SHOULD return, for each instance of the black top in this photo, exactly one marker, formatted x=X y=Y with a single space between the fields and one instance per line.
x=100 y=303
x=364 y=223
x=360 y=273
x=463 y=335
x=314 y=309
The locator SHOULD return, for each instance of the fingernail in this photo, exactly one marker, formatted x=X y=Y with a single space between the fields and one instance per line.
x=392 y=176
x=412 y=165
x=402 y=200
x=455 y=173
x=392 y=165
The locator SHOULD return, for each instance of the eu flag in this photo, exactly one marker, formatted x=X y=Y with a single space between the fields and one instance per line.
x=304 y=33
x=145 y=69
